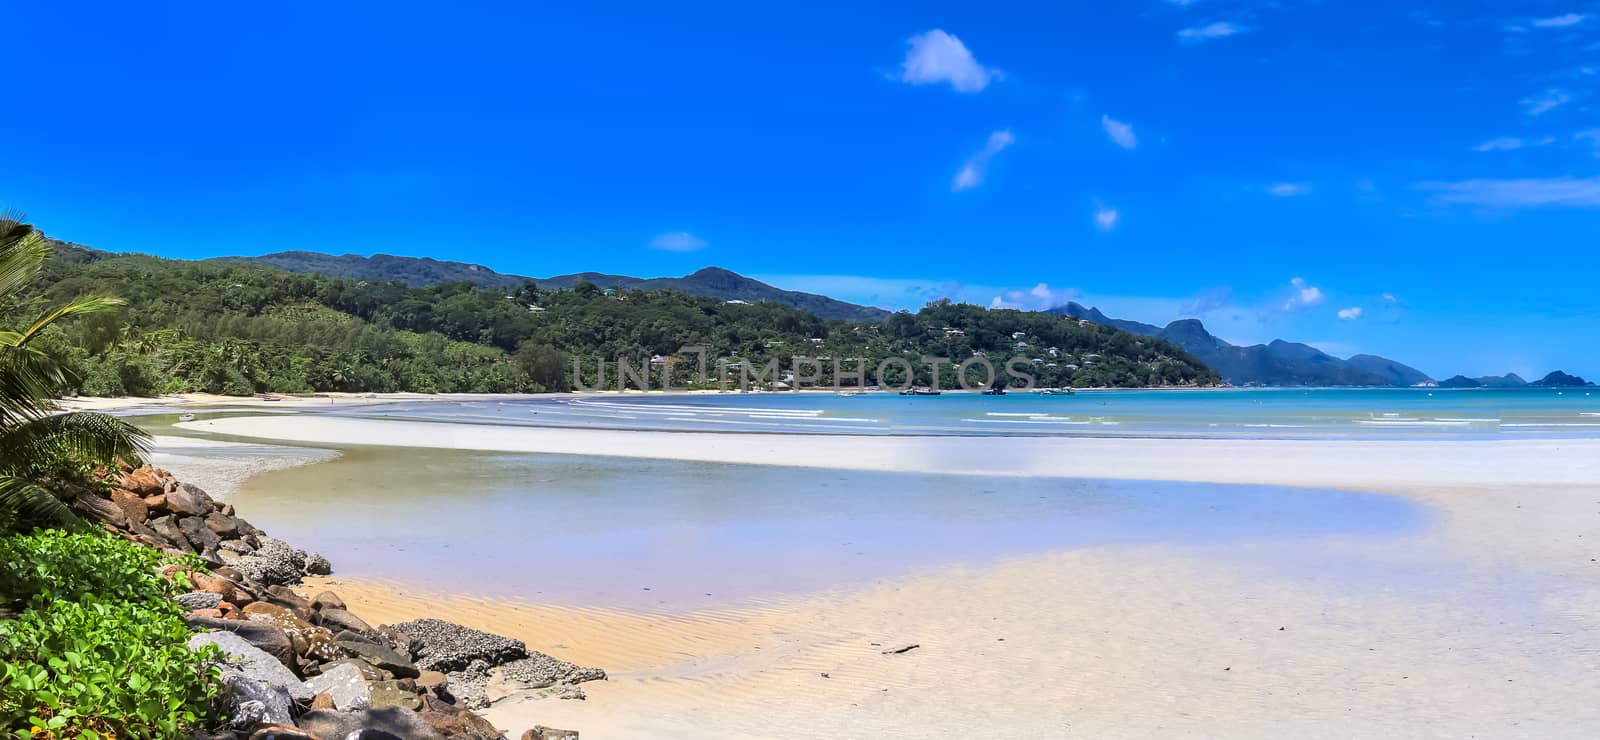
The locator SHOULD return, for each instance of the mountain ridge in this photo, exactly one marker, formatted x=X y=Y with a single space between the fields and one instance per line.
x=1278 y=362
x=708 y=282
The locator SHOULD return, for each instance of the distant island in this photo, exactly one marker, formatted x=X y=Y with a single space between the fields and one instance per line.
x=1556 y=379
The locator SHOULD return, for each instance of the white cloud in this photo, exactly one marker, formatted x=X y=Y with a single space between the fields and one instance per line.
x=1120 y=132
x=1546 y=101
x=1105 y=219
x=1511 y=143
x=1305 y=295
x=1592 y=136
x=1037 y=298
x=1289 y=189
x=1210 y=32
x=1526 y=193
x=678 y=241
x=1389 y=298
x=1559 y=21
x=972 y=173
x=1350 y=314
x=1181 y=3
x=936 y=57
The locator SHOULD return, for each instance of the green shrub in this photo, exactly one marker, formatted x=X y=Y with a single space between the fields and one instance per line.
x=101 y=650
x=51 y=565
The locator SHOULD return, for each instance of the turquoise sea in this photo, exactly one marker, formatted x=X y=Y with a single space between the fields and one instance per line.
x=1252 y=413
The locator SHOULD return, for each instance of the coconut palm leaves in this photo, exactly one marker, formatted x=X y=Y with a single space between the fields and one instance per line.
x=35 y=444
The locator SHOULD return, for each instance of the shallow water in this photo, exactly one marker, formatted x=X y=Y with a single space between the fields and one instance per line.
x=1339 y=413
x=649 y=534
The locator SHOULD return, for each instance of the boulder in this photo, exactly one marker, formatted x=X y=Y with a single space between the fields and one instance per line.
x=282 y=732
x=397 y=722
x=443 y=646
x=237 y=545
x=322 y=701
x=344 y=685
x=268 y=637
x=198 y=600
x=317 y=565
x=210 y=583
x=100 y=509
x=327 y=599
x=540 y=732
x=223 y=526
x=459 y=724
x=338 y=619
x=380 y=656
x=166 y=527
x=252 y=703
x=368 y=671
x=144 y=482
x=299 y=631
x=201 y=538
x=429 y=680
x=188 y=500
x=274 y=563
x=394 y=694
x=255 y=663
x=131 y=504
x=285 y=597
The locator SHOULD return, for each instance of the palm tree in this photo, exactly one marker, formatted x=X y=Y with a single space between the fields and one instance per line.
x=36 y=442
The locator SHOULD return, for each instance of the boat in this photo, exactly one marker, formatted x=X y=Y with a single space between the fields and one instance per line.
x=995 y=391
x=1053 y=391
x=921 y=392
x=186 y=417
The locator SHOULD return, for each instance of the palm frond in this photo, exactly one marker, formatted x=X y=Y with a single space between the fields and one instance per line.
x=24 y=501
x=84 y=436
x=79 y=306
x=23 y=251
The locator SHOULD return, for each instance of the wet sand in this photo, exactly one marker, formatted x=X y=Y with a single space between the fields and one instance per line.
x=1483 y=620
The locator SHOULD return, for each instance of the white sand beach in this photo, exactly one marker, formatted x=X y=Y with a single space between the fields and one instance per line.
x=1484 y=623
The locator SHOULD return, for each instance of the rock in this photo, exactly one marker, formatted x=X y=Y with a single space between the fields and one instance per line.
x=381 y=657
x=902 y=648
x=317 y=565
x=166 y=527
x=345 y=687
x=143 y=482
x=274 y=563
x=252 y=702
x=282 y=732
x=238 y=546
x=459 y=724
x=322 y=701
x=207 y=614
x=189 y=500
x=540 y=732
x=299 y=631
x=198 y=600
x=539 y=670
x=397 y=722
x=393 y=694
x=447 y=647
x=327 y=599
x=255 y=663
x=155 y=503
x=223 y=526
x=401 y=642
x=368 y=671
x=100 y=509
x=213 y=584
x=335 y=618
x=286 y=597
x=201 y=538
x=267 y=637
x=131 y=504
x=431 y=680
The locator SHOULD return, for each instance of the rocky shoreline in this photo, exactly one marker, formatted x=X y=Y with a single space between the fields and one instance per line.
x=304 y=667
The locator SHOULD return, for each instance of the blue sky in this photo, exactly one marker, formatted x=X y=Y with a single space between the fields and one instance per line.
x=1418 y=180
